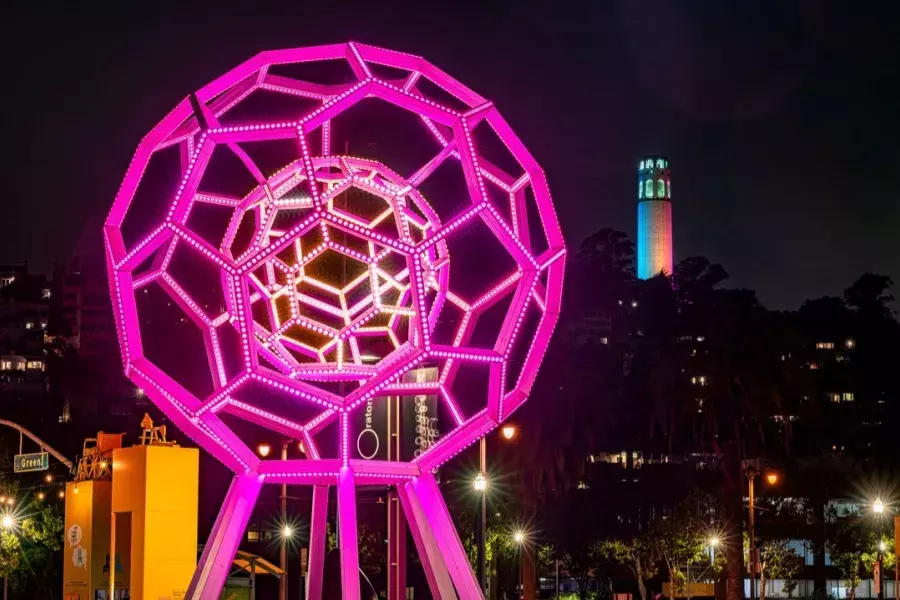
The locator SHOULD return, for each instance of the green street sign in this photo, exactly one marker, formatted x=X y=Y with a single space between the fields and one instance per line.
x=26 y=463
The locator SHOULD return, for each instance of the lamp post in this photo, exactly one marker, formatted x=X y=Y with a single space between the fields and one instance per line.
x=480 y=485
x=878 y=583
x=285 y=533
x=8 y=523
x=772 y=478
x=878 y=510
x=508 y=431
x=519 y=538
x=713 y=544
x=264 y=449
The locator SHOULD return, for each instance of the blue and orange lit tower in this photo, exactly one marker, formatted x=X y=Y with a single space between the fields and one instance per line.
x=654 y=224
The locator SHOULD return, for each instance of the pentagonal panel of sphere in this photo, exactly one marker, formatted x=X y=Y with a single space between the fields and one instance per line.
x=289 y=249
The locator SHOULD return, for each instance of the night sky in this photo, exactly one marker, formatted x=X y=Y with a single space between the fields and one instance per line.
x=781 y=119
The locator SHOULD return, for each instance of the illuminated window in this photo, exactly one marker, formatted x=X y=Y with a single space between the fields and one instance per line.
x=29 y=325
x=660 y=163
x=813 y=366
x=847 y=397
x=641 y=166
x=669 y=188
x=640 y=190
x=19 y=366
x=660 y=188
x=648 y=192
x=34 y=365
x=5 y=365
x=45 y=293
x=834 y=397
x=824 y=345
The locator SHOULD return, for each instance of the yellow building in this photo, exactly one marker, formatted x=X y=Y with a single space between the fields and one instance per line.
x=86 y=556
x=154 y=520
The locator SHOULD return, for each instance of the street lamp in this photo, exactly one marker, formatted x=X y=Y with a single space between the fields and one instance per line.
x=8 y=522
x=878 y=506
x=772 y=478
x=480 y=484
x=519 y=537
x=714 y=542
x=264 y=449
x=287 y=532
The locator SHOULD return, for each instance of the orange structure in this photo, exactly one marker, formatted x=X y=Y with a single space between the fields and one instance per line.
x=87 y=562
x=131 y=519
x=86 y=556
x=154 y=518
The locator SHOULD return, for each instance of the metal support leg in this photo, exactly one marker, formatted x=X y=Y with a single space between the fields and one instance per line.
x=396 y=546
x=226 y=536
x=346 y=492
x=435 y=568
x=318 y=532
x=446 y=536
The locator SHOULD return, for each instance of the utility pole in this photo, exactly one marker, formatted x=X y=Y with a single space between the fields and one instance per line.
x=482 y=519
x=282 y=581
x=751 y=475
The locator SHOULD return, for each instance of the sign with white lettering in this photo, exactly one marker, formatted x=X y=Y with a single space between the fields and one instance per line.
x=26 y=463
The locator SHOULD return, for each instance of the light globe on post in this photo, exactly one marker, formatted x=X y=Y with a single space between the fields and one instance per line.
x=509 y=431
x=714 y=542
x=519 y=537
x=882 y=546
x=7 y=522
x=878 y=506
x=287 y=532
x=480 y=483
x=264 y=449
x=772 y=476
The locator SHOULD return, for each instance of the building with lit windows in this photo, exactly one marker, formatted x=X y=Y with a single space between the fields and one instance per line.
x=24 y=314
x=654 y=222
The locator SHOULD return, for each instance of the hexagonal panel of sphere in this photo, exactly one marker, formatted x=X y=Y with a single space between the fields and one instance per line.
x=331 y=283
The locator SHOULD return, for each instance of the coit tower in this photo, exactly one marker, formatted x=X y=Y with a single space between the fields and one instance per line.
x=654 y=220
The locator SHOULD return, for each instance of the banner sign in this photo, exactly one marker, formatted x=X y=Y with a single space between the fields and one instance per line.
x=419 y=416
x=370 y=430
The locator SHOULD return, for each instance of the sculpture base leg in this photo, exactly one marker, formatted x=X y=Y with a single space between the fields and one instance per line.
x=318 y=532
x=222 y=545
x=443 y=557
x=447 y=568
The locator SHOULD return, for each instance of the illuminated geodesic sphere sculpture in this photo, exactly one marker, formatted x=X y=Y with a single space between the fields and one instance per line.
x=310 y=281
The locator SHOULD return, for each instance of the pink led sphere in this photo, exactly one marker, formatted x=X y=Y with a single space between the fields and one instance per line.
x=308 y=281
